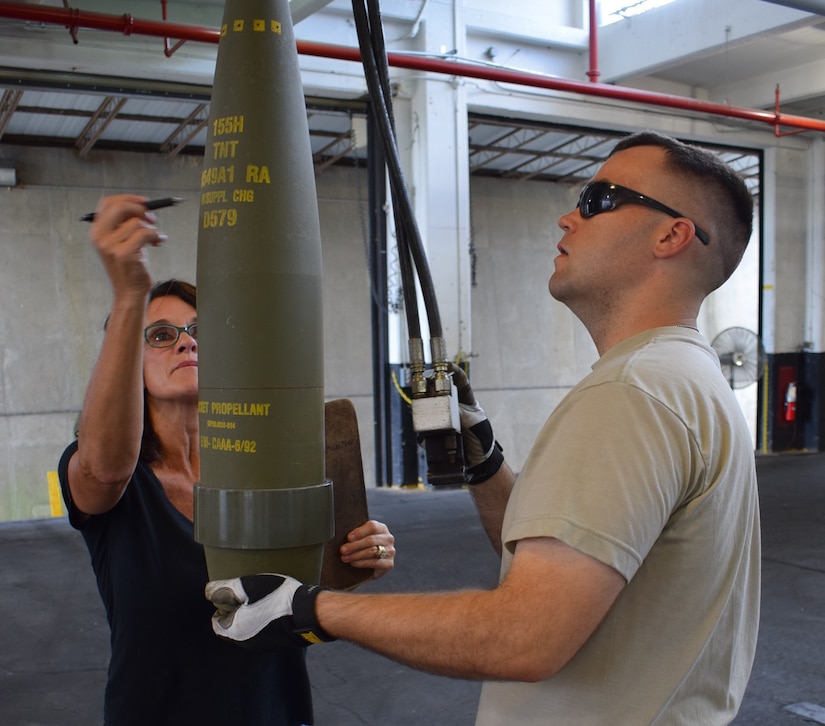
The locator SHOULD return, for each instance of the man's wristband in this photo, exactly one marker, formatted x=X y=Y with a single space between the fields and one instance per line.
x=480 y=473
x=304 y=621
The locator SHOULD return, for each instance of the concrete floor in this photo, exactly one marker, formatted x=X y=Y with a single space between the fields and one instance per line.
x=55 y=638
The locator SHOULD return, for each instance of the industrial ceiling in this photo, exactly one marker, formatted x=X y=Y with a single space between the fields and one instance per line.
x=53 y=103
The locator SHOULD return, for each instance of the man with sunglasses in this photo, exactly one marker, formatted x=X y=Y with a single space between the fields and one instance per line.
x=630 y=582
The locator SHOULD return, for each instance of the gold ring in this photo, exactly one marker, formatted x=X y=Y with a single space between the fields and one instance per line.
x=381 y=553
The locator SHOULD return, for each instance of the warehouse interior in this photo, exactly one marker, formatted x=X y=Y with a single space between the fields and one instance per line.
x=503 y=111
x=491 y=163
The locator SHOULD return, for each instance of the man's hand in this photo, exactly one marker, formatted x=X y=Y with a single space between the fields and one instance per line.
x=482 y=453
x=264 y=612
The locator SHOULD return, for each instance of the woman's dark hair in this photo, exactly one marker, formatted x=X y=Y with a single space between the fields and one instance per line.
x=150 y=446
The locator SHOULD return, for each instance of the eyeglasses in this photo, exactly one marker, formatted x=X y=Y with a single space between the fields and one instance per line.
x=602 y=196
x=164 y=335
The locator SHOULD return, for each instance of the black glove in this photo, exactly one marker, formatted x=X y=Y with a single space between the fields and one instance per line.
x=267 y=611
x=483 y=455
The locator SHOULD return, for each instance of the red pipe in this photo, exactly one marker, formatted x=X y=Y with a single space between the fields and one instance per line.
x=776 y=131
x=128 y=25
x=593 y=74
x=168 y=50
x=504 y=75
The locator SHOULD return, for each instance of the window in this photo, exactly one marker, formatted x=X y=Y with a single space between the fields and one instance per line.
x=610 y=11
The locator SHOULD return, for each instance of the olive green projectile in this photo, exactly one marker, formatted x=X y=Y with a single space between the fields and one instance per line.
x=262 y=504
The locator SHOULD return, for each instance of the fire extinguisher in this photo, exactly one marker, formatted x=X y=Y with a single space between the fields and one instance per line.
x=790 y=402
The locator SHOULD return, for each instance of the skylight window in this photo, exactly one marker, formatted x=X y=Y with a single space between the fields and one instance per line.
x=611 y=11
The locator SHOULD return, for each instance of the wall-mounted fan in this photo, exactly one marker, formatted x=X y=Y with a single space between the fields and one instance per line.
x=741 y=354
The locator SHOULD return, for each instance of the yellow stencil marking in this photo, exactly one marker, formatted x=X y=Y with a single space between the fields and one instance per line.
x=223 y=30
x=276 y=27
x=259 y=26
x=55 y=500
x=237 y=26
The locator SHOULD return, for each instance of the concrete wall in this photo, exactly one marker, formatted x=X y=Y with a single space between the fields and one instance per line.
x=529 y=350
x=792 y=294
x=54 y=297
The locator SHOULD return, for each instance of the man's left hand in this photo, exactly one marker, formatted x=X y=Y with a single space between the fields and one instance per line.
x=264 y=612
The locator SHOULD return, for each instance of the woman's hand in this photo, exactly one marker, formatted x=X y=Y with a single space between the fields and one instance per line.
x=370 y=546
x=121 y=231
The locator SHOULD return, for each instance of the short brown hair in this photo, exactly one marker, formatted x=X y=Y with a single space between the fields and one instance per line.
x=720 y=188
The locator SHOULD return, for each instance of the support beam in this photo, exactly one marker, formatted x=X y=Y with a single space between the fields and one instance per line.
x=105 y=114
x=441 y=173
x=808 y=6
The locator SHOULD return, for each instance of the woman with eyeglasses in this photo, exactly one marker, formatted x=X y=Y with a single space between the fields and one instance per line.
x=128 y=483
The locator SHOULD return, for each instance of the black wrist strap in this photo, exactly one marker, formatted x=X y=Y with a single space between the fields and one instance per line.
x=304 y=621
x=482 y=472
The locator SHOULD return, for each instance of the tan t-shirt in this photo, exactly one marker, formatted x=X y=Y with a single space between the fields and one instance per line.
x=648 y=466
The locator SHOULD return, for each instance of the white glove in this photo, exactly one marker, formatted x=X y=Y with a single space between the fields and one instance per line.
x=482 y=453
x=266 y=611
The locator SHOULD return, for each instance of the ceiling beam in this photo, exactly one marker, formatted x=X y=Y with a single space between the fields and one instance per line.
x=809 y=6
x=8 y=105
x=651 y=43
x=105 y=114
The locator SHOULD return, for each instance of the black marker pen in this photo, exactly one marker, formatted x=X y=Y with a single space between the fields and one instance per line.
x=150 y=205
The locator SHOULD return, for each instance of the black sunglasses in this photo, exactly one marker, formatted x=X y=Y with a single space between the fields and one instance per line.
x=602 y=196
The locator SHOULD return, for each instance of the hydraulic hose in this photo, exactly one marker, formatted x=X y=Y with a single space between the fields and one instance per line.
x=376 y=71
